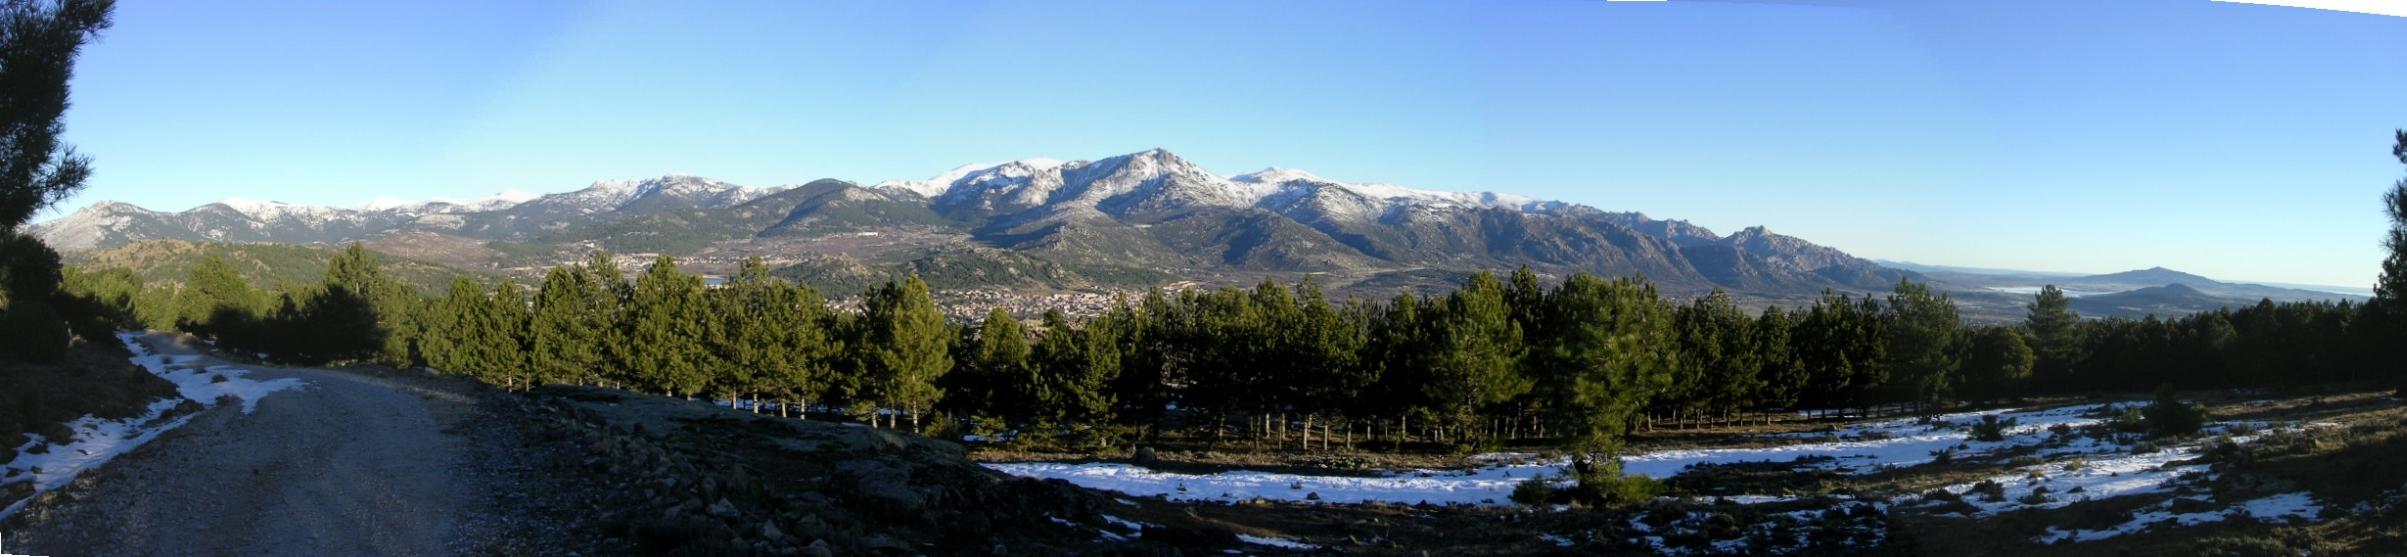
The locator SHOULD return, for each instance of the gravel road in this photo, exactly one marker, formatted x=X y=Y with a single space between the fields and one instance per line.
x=355 y=463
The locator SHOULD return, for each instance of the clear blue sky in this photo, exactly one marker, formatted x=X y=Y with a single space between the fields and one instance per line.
x=2236 y=141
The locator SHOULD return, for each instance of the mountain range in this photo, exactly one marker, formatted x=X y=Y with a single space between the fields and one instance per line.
x=1146 y=217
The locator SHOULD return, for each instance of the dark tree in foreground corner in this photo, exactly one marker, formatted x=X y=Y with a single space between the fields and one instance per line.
x=2390 y=295
x=38 y=42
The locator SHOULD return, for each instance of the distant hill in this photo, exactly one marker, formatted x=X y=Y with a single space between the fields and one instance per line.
x=2023 y=282
x=2168 y=300
x=1138 y=219
x=2151 y=275
x=169 y=261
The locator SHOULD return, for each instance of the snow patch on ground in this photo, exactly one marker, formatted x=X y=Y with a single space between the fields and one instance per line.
x=2282 y=508
x=206 y=386
x=2057 y=484
x=97 y=440
x=1490 y=487
x=1859 y=449
x=1281 y=543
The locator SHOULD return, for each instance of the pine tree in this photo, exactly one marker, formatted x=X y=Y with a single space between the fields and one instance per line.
x=564 y=337
x=812 y=348
x=907 y=347
x=1840 y=344
x=1329 y=363
x=611 y=296
x=357 y=272
x=501 y=347
x=1477 y=352
x=2051 y=325
x=38 y=45
x=2388 y=308
x=1997 y=364
x=666 y=328
x=1144 y=360
x=212 y=292
x=757 y=328
x=1401 y=353
x=995 y=376
x=1923 y=341
x=1784 y=376
x=1609 y=348
x=449 y=327
x=1718 y=352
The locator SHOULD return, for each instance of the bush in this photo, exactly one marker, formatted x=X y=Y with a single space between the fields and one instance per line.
x=2170 y=416
x=1534 y=491
x=29 y=271
x=1991 y=429
x=1606 y=487
x=34 y=333
x=1990 y=490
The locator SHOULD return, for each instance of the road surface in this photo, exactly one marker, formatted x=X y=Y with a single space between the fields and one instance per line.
x=354 y=463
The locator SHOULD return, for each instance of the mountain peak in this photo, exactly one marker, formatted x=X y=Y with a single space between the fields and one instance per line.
x=1275 y=175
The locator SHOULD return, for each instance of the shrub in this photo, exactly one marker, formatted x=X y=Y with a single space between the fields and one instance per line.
x=1990 y=490
x=1610 y=487
x=2169 y=416
x=1992 y=429
x=2130 y=421
x=1534 y=491
x=34 y=333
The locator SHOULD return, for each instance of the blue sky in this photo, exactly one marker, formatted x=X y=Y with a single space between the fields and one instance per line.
x=2237 y=141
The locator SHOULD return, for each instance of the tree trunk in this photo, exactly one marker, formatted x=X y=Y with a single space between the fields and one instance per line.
x=1307 y=432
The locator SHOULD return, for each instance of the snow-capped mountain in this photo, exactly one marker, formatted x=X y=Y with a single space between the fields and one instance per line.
x=1150 y=210
x=1157 y=180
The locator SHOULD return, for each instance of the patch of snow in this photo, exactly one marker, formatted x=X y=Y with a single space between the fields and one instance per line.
x=97 y=440
x=2100 y=477
x=1281 y=543
x=1487 y=487
x=206 y=386
x=2286 y=507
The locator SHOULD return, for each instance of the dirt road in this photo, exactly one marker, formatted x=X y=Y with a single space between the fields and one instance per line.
x=355 y=463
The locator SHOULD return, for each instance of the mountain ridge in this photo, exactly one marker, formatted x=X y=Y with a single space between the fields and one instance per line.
x=1147 y=213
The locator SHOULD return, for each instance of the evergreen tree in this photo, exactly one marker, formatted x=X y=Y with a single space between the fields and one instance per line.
x=1922 y=341
x=2051 y=326
x=2388 y=308
x=1073 y=370
x=1840 y=343
x=38 y=45
x=907 y=341
x=995 y=382
x=214 y=292
x=812 y=348
x=449 y=327
x=564 y=337
x=1609 y=348
x=760 y=332
x=356 y=273
x=1997 y=364
x=1476 y=353
x=1718 y=356
x=500 y=348
x=1328 y=362
x=665 y=330
x=1144 y=358
x=1783 y=374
